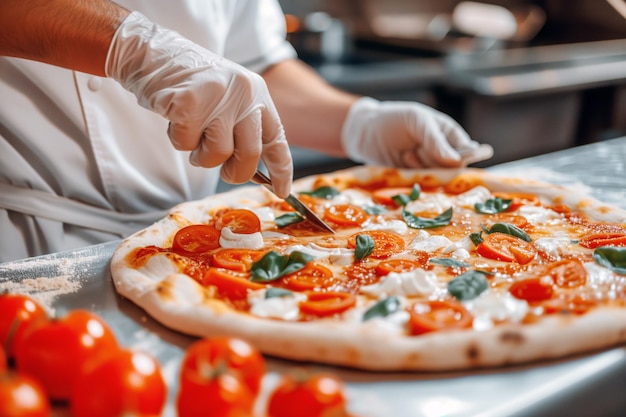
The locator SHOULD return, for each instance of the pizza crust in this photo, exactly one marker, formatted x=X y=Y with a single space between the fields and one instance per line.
x=182 y=304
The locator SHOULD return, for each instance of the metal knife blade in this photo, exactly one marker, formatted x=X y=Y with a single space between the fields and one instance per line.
x=293 y=201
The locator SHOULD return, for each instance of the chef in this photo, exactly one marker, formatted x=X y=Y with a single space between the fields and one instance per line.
x=112 y=113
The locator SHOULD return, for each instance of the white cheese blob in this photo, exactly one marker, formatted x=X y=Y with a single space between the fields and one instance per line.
x=397 y=226
x=431 y=203
x=394 y=322
x=459 y=249
x=490 y=308
x=411 y=283
x=478 y=194
x=229 y=239
x=336 y=256
x=598 y=275
x=538 y=215
x=553 y=246
x=428 y=243
x=284 y=308
x=265 y=214
x=354 y=197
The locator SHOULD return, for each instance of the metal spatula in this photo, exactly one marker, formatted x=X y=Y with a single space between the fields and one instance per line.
x=292 y=200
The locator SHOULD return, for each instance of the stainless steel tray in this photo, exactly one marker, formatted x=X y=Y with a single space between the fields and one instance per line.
x=589 y=385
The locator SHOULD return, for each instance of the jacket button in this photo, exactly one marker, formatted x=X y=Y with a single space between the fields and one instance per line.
x=94 y=83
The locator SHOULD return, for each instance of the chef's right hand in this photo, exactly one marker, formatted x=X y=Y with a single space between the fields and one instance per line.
x=218 y=110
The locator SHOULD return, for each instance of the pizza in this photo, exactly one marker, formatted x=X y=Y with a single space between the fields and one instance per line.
x=428 y=270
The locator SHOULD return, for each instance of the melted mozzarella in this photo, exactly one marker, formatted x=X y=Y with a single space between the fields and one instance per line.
x=431 y=203
x=397 y=226
x=553 y=246
x=354 y=197
x=229 y=239
x=478 y=194
x=491 y=307
x=284 y=308
x=265 y=214
x=598 y=275
x=460 y=249
x=412 y=283
x=336 y=256
x=423 y=241
x=538 y=215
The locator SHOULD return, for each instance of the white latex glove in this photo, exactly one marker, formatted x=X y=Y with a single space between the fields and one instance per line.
x=218 y=110
x=407 y=134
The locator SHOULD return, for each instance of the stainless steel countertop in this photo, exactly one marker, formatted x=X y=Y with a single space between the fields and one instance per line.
x=586 y=385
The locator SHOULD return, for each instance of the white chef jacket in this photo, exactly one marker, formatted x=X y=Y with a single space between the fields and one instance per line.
x=82 y=162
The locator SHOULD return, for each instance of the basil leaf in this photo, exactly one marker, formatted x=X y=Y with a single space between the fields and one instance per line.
x=274 y=265
x=375 y=209
x=448 y=262
x=401 y=199
x=273 y=292
x=423 y=223
x=476 y=238
x=611 y=257
x=288 y=218
x=493 y=206
x=404 y=199
x=468 y=285
x=326 y=192
x=364 y=247
x=510 y=229
x=382 y=308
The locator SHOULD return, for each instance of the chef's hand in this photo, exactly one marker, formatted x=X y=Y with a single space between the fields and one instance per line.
x=218 y=110
x=407 y=134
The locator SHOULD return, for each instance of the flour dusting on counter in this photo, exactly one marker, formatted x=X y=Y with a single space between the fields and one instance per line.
x=43 y=289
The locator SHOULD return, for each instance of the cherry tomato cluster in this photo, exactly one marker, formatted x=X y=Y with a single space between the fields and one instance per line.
x=222 y=377
x=76 y=361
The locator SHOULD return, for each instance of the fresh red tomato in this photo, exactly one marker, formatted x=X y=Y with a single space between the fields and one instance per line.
x=567 y=273
x=312 y=276
x=236 y=259
x=359 y=275
x=345 y=215
x=595 y=240
x=196 y=238
x=385 y=243
x=514 y=219
x=240 y=221
x=505 y=247
x=328 y=303
x=3 y=361
x=430 y=316
x=230 y=284
x=568 y=304
x=318 y=395
x=222 y=395
x=397 y=265
x=385 y=195
x=22 y=396
x=208 y=356
x=18 y=314
x=120 y=383
x=56 y=351
x=533 y=289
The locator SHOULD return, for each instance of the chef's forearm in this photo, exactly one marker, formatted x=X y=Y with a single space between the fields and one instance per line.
x=312 y=111
x=73 y=34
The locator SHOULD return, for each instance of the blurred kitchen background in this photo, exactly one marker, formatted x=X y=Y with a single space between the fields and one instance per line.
x=527 y=77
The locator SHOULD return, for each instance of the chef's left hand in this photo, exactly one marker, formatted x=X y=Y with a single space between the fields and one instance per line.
x=407 y=134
